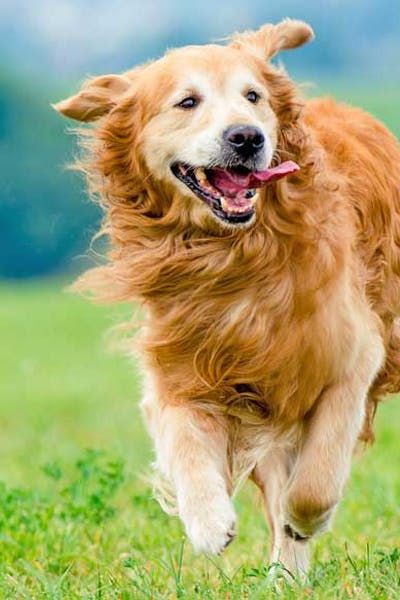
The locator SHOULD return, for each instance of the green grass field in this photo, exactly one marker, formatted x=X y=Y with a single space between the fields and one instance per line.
x=77 y=518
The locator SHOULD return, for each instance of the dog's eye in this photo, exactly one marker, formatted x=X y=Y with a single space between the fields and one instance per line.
x=252 y=96
x=188 y=103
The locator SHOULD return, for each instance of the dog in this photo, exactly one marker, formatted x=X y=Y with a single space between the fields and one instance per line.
x=260 y=232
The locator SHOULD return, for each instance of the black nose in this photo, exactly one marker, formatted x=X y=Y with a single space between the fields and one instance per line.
x=244 y=139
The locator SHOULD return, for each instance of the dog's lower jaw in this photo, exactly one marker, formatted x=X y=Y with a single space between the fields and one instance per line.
x=206 y=220
x=209 y=519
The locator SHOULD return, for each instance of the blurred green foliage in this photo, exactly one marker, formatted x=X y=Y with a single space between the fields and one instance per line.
x=45 y=219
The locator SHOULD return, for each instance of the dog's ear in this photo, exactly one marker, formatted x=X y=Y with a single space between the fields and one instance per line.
x=96 y=98
x=270 y=39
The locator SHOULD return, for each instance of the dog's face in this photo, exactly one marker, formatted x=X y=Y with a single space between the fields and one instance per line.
x=208 y=128
x=212 y=129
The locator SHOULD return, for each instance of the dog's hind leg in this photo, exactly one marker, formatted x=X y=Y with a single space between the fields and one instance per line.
x=191 y=449
x=289 y=553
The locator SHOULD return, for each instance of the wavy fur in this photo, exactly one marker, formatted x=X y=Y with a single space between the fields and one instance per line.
x=286 y=330
x=290 y=262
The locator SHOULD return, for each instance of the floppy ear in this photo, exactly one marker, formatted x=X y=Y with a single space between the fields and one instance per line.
x=96 y=98
x=270 y=39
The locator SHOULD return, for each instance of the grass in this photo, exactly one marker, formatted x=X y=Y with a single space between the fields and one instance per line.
x=77 y=519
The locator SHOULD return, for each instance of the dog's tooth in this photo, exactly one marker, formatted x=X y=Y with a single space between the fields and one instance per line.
x=211 y=189
x=224 y=203
x=202 y=179
x=201 y=176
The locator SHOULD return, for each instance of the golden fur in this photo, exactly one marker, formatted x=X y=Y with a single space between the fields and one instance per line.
x=254 y=327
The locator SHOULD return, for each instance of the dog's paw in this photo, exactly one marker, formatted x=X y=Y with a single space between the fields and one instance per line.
x=308 y=510
x=210 y=527
x=300 y=526
x=293 y=534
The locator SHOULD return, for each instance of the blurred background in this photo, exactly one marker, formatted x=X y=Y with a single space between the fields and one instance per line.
x=60 y=391
x=48 y=47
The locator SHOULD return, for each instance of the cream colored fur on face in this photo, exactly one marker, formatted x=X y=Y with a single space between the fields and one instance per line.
x=266 y=349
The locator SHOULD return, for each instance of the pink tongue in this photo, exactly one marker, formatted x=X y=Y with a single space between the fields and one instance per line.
x=229 y=182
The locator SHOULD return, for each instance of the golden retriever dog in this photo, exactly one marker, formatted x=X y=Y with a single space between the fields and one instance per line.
x=261 y=234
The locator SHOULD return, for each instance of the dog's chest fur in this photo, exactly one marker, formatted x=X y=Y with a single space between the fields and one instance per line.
x=251 y=352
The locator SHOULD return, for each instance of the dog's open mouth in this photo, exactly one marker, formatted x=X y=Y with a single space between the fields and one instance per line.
x=230 y=193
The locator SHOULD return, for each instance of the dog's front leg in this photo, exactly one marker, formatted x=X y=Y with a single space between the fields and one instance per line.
x=324 y=459
x=271 y=475
x=191 y=450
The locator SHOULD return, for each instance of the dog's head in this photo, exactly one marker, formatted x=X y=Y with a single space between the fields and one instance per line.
x=205 y=121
